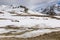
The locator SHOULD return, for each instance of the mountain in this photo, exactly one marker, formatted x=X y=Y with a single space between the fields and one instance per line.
x=28 y=3
x=41 y=6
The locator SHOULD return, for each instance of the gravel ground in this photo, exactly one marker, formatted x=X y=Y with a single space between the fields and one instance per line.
x=50 y=36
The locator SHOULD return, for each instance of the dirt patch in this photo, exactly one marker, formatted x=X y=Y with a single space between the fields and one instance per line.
x=50 y=36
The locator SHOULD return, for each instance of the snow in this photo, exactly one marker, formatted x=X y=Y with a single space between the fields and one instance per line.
x=35 y=33
x=27 y=22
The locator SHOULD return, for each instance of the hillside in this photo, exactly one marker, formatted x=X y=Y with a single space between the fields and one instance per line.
x=14 y=23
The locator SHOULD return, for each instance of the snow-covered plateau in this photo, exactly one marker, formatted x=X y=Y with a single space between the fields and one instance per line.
x=26 y=25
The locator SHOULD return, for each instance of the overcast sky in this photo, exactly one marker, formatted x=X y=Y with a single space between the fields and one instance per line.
x=28 y=3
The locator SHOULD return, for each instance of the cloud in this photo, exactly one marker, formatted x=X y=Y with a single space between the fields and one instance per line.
x=28 y=3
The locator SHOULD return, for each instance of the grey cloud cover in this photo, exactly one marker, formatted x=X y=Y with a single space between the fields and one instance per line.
x=28 y=3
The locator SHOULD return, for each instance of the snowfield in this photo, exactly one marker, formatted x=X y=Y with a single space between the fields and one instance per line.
x=30 y=26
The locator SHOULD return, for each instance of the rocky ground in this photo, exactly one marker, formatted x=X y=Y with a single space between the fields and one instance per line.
x=16 y=25
x=50 y=36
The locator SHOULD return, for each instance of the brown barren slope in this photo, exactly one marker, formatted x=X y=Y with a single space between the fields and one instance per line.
x=50 y=36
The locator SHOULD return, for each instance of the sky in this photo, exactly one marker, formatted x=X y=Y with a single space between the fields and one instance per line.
x=28 y=3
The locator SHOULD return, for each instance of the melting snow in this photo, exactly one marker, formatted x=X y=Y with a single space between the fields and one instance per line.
x=28 y=22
